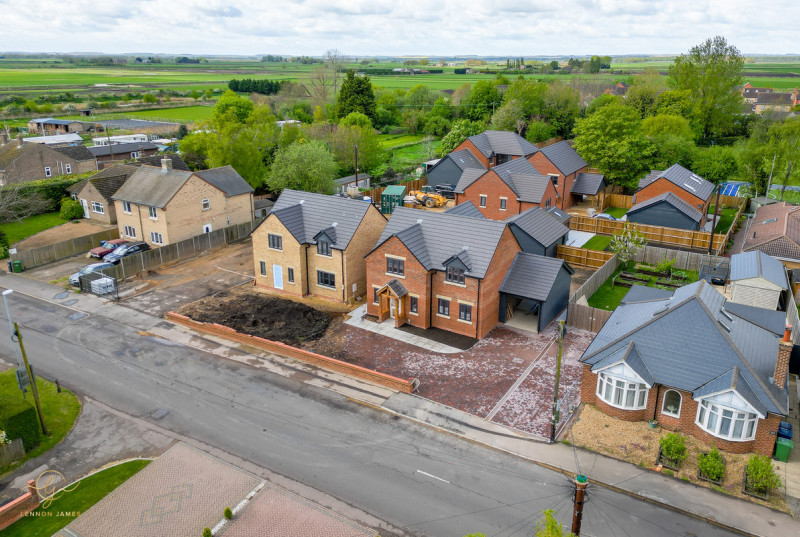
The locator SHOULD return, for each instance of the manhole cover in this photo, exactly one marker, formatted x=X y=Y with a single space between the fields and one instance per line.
x=61 y=296
x=159 y=413
x=70 y=302
x=77 y=315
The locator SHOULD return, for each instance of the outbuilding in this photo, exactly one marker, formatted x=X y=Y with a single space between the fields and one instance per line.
x=667 y=210
x=758 y=280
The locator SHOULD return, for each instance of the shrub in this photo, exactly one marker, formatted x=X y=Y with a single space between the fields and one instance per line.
x=227 y=513
x=71 y=209
x=19 y=420
x=761 y=475
x=665 y=265
x=673 y=447
x=711 y=465
x=207 y=532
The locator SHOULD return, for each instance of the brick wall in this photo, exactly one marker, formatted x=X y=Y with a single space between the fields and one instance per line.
x=565 y=183
x=489 y=299
x=292 y=256
x=29 y=163
x=282 y=349
x=661 y=186
x=467 y=144
x=494 y=188
x=90 y=193
x=456 y=294
x=364 y=240
x=16 y=509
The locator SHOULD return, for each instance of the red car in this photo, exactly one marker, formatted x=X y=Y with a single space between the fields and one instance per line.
x=106 y=247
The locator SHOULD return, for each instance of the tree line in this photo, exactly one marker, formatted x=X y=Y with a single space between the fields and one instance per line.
x=250 y=85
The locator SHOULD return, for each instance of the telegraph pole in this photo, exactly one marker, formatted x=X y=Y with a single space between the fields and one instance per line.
x=580 y=496
x=31 y=380
x=558 y=380
x=356 y=158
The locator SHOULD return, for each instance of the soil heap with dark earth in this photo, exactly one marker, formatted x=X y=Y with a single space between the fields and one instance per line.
x=267 y=317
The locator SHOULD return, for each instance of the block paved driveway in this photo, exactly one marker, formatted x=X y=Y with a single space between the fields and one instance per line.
x=508 y=377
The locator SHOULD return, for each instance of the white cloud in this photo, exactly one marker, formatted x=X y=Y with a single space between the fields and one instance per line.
x=387 y=27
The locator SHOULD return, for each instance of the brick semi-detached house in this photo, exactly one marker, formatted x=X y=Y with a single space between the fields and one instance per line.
x=568 y=172
x=695 y=364
x=163 y=205
x=493 y=148
x=313 y=244
x=30 y=162
x=461 y=273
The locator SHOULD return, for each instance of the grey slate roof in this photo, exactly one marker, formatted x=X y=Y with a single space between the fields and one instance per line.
x=397 y=288
x=119 y=149
x=117 y=170
x=155 y=160
x=774 y=321
x=564 y=157
x=640 y=293
x=532 y=276
x=466 y=209
x=464 y=159
x=226 y=179
x=502 y=143
x=77 y=152
x=736 y=380
x=538 y=224
x=525 y=180
x=754 y=264
x=469 y=176
x=671 y=199
x=682 y=178
x=152 y=186
x=719 y=341
x=558 y=214
x=434 y=238
x=588 y=184
x=306 y=214
x=629 y=355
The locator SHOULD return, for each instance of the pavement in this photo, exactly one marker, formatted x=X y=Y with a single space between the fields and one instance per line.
x=789 y=472
x=604 y=472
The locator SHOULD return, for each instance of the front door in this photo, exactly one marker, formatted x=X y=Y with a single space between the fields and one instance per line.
x=277 y=276
x=206 y=228
x=392 y=307
x=85 y=205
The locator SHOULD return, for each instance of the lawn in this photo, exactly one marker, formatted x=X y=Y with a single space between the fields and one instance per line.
x=60 y=411
x=608 y=296
x=413 y=155
x=390 y=141
x=16 y=231
x=185 y=113
x=70 y=505
x=598 y=242
x=725 y=220
x=616 y=212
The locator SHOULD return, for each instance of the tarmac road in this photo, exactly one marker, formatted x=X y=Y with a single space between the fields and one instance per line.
x=413 y=477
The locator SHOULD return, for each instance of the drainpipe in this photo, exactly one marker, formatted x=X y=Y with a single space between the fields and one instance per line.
x=344 y=287
x=655 y=409
x=430 y=298
x=308 y=276
x=478 y=309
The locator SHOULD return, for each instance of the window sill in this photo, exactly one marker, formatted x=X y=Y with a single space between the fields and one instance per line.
x=274 y=249
x=464 y=321
x=413 y=313
x=401 y=276
x=442 y=316
x=326 y=287
x=454 y=284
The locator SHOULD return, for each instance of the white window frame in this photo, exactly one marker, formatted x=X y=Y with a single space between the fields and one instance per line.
x=134 y=154
x=503 y=204
x=206 y=204
x=68 y=168
x=664 y=402
x=48 y=172
x=126 y=207
x=482 y=202
x=98 y=208
x=606 y=381
x=156 y=237
x=153 y=212
x=129 y=231
x=706 y=409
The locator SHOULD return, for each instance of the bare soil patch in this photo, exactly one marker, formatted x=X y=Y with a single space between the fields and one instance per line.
x=70 y=230
x=637 y=443
x=256 y=314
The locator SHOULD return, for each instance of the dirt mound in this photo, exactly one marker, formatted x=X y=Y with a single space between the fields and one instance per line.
x=268 y=317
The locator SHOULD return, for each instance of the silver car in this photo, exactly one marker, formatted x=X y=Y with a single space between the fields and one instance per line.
x=75 y=279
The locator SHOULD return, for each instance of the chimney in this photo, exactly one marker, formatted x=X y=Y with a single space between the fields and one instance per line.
x=782 y=363
x=166 y=164
x=19 y=140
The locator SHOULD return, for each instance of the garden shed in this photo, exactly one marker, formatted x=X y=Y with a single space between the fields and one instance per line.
x=666 y=210
x=758 y=280
x=391 y=197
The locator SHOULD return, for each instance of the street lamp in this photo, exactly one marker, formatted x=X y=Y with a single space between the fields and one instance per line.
x=11 y=324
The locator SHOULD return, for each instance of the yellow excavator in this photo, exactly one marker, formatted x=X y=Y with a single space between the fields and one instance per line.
x=428 y=199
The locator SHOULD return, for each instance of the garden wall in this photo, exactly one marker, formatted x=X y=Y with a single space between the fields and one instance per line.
x=382 y=379
x=16 y=509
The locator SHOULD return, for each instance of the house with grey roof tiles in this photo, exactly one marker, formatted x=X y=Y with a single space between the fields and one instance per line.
x=461 y=272
x=685 y=184
x=694 y=363
x=493 y=148
x=20 y=162
x=666 y=210
x=759 y=280
x=314 y=245
x=450 y=168
x=569 y=174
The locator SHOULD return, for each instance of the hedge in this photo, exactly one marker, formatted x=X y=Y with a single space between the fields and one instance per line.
x=52 y=189
x=19 y=420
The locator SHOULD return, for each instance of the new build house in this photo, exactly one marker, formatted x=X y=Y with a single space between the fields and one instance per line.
x=313 y=244
x=163 y=205
x=452 y=167
x=463 y=273
x=686 y=185
x=568 y=173
x=726 y=384
x=493 y=148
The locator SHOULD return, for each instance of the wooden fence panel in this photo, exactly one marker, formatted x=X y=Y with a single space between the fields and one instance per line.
x=581 y=257
x=595 y=280
x=43 y=255
x=375 y=193
x=666 y=235
x=11 y=452
x=587 y=317
x=617 y=200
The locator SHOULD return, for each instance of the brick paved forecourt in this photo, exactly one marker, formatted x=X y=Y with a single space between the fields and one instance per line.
x=177 y=495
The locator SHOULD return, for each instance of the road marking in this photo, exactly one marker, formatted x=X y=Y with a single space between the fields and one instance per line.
x=433 y=476
x=519 y=381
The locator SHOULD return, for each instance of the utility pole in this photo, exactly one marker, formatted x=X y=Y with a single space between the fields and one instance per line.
x=558 y=380
x=580 y=496
x=714 y=224
x=356 y=150
x=31 y=380
x=769 y=183
x=11 y=323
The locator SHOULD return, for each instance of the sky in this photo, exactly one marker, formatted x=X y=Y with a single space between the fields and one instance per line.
x=432 y=28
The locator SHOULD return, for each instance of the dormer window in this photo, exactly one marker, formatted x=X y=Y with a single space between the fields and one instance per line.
x=455 y=275
x=324 y=248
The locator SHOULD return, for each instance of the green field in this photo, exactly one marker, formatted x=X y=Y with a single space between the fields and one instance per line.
x=389 y=141
x=185 y=113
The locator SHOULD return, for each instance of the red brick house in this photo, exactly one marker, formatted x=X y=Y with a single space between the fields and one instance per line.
x=563 y=165
x=505 y=190
x=685 y=184
x=493 y=148
x=460 y=273
x=727 y=388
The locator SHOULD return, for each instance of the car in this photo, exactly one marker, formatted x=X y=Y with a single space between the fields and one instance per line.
x=604 y=216
x=445 y=190
x=106 y=247
x=125 y=250
x=75 y=279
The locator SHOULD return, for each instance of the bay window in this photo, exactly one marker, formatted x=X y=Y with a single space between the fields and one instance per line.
x=727 y=423
x=621 y=393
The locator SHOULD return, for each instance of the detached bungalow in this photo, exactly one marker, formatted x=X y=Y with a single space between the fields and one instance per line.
x=313 y=244
x=696 y=366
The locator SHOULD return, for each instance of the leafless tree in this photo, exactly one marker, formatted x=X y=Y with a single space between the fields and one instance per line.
x=334 y=59
x=322 y=82
x=16 y=203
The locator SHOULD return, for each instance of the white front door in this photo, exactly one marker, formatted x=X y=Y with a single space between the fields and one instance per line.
x=206 y=228
x=277 y=276
x=85 y=205
x=392 y=307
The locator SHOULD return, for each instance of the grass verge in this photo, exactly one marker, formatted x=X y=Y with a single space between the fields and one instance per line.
x=16 y=231
x=70 y=505
x=60 y=412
